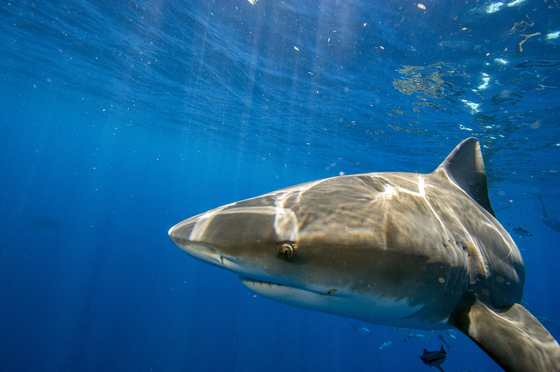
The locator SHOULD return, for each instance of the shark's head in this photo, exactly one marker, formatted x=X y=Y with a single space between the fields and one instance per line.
x=270 y=242
x=252 y=238
x=346 y=245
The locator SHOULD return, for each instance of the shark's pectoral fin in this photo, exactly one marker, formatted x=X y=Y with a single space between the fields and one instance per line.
x=514 y=338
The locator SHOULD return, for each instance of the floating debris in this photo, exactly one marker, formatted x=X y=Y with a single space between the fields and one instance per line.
x=525 y=38
x=421 y=6
x=521 y=23
x=501 y=209
x=426 y=79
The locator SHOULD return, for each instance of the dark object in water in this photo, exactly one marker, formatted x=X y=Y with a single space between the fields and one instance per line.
x=554 y=224
x=544 y=212
x=434 y=358
x=525 y=38
x=360 y=330
x=501 y=209
x=521 y=231
x=442 y=339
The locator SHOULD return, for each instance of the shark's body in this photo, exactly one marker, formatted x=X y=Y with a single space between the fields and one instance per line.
x=399 y=249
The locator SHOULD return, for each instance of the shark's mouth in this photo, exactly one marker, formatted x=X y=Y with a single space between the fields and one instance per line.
x=270 y=289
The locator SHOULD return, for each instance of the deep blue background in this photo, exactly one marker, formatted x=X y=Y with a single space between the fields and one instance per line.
x=120 y=119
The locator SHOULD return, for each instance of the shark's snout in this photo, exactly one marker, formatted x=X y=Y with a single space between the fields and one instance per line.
x=180 y=234
x=244 y=223
x=237 y=235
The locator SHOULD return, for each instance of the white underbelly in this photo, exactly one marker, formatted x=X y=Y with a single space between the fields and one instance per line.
x=371 y=308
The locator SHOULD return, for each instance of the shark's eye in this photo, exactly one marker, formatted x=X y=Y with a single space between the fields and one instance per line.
x=286 y=250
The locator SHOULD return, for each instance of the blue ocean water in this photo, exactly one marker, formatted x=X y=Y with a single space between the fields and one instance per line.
x=119 y=119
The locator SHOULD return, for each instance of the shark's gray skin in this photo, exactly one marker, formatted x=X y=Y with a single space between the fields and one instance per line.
x=404 y=250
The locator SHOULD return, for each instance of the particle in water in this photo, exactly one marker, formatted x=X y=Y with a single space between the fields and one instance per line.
x=422 y=6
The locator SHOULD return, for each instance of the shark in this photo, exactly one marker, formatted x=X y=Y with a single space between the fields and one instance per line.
x=406 y=250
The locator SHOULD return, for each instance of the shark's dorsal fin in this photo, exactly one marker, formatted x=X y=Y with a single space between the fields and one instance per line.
x=465 y=167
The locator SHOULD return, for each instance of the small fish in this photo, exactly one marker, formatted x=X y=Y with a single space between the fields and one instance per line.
x=434 y=358
x=362 y=330
x=385 y=344
x=521 y=231
x=413 y=335
x=410 y=334
x=442 y=339
x=450 y=333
